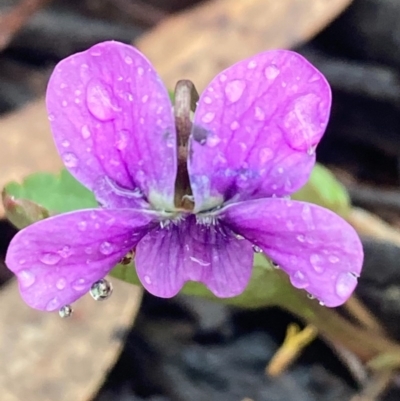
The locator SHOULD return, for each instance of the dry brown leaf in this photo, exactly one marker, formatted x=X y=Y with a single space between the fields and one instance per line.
x=198 y=43
x=46 y=358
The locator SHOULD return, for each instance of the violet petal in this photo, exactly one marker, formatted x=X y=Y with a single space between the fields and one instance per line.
x=112 y=119
x=260 y=122
x=56 y=260
x=167 y=257
x=319 y=250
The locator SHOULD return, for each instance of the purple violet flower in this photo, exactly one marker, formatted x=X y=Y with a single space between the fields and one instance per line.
x=252 y=143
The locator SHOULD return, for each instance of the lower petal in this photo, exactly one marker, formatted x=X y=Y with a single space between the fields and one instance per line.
x=319 y=250
x=57 y=260
x=189 y=251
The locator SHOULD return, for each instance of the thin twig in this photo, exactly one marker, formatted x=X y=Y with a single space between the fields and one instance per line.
x=375 y=387
x=13 y=21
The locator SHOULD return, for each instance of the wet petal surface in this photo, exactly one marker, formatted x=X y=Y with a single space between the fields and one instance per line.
x=113 y=126
x=58 y=259
x=320 y=251
x=167 y=257
x=256 y=128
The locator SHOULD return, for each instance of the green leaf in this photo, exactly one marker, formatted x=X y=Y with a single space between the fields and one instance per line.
x=44 y=194
x=325 y=190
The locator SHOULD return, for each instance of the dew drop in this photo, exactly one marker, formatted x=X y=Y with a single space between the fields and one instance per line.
x=65 y=311
x=316 y=263
x=252 y=64
x=223 y=77
x=207 y=100
x=302 y=122
x=61 y=284
x=234 y=90
x=82 y=225
x=79 y=285
x=50 y=259
x=145 y=98
x=301 y=238
x=275 y=265
x=64 y=103
x=213 y=141
x=70 y=160
x=65 y=143
x=333 y=259
x=208 y=117
x=322 y=303
x=26 y=278
x=345 y=284
x=140 y=71
x=101 y=290
x=265 y=155
x=147 y=279
x=310 y=296
x=51 y=117
x=52 y=305
x=234 y=125
x=128 y=60
x=85 y=132
x=257 y=249
x=122 y=141
x=259 y=114
x=299 y=280
x=65 y=252
x=271 y=72
x=239 y=237
x=100 y=100
x=106 y=248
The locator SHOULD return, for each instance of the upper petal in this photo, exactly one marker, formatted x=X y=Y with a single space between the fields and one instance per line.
x=319 y=250
x=112 y=119
x=56 y=260
x=256 y=127
x=167 y=257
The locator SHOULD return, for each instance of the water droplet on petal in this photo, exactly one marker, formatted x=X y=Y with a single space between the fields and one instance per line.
x=101 y=290
x=310 y=296
x=301 y=238
x=234 y=125
x=302 y=122
x=128 y=60
x=51 y=117
x=345 y=285
x=259 y=114
x=106 y=248
x=61 y=284
x=265 y=155
x=64 y=103
x=122 y=141
x=316 y=263
x=82 y=225
x=271 y=72
x=85 y=132
x=208 y=117
x=65 y=311
x=322 y=303
x=234 y=89
x=26 y=278
x=140 y=71
x=70 y=160
x=239 y=237
x=147 y=279
x=257 y=249
x=53 y=304
x=207 y=100
x=145 y=98
x=65 y=143
x=333 y=259
x=100 y=100
x=79 y=285
x=299 y=280
x=223 y=77
x=275 y=265
x=252 y=64
x=65 y=252
x=50 y=258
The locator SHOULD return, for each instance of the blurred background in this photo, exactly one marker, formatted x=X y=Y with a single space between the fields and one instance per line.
x=188 y=348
